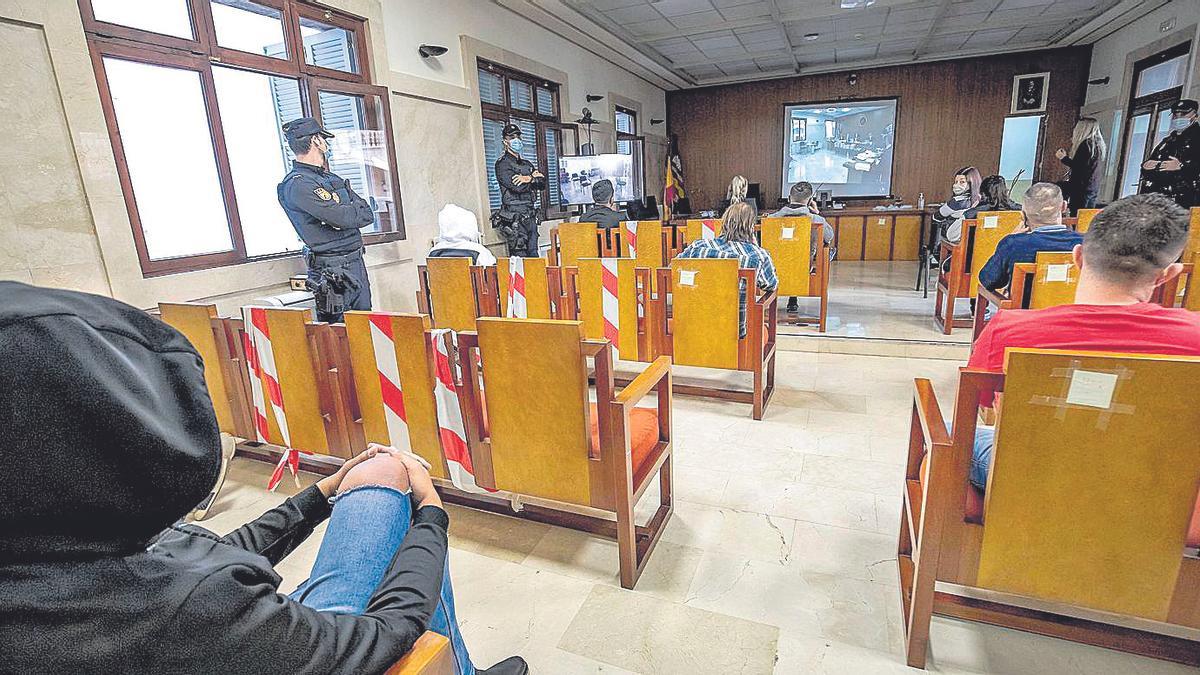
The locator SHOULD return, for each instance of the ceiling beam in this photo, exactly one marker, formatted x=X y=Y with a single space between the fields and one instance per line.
x=858 y=66
x=812 y=10
x=787 y=39
x=933 y=28
x=802 y=51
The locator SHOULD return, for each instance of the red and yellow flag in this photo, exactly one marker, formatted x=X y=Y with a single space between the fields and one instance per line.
x=674 y=184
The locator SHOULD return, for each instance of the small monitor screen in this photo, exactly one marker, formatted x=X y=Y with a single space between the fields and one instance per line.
x=842 y=147
x=576 y=175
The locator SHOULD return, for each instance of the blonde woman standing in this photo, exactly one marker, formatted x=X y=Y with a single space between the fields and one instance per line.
x=736 y=194
x=1086 y=163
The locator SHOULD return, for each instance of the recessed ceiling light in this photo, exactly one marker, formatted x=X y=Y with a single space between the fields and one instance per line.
x=812 y=36
x=858 y=36
x=856 y=4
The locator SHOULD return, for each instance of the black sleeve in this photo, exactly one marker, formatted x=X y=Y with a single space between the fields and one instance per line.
x=505 y=171
x=1068 y=161
x=285 y=636
x=302 y=194
x=279 y=531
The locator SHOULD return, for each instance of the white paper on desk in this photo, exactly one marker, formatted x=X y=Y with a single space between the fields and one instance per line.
x=991 y=222
x=1092 y=389
x=1057 y=273
x=687 y=277
x=789 y=233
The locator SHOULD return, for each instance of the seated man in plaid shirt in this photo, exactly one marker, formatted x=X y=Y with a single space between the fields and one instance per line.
x=737 y=241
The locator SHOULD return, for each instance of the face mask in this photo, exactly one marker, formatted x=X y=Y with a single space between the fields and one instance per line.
x=1180 y=123
x=516 y=145
x=960 y=190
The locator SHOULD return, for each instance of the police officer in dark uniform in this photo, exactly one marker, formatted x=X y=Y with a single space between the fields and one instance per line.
x=517 y=219
x=328 y=215
x=1174 y=166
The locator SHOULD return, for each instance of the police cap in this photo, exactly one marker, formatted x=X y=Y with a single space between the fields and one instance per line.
x=1185 y=105
x=304 y=127
x=511 y=131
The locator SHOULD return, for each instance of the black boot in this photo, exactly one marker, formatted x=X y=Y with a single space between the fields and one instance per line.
x=793 y=306
x=513 y=665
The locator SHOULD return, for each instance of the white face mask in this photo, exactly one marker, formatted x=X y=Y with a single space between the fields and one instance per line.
x=960 y=190
x=1180 y=123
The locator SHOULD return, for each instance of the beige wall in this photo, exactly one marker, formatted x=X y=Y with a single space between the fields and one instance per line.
x=63 y=220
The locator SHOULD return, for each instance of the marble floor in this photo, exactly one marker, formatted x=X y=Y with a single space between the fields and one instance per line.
x=780 y=557
x=876 y=300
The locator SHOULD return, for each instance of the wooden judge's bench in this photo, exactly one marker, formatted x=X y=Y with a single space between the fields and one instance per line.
x=866 y=233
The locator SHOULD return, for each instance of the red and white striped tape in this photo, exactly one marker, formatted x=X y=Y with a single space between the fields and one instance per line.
x=708 y=229
x=610 y=308
x=518 y=308
x=383 y=342
x=449 y=413
x=631 y=227
x=265 y=380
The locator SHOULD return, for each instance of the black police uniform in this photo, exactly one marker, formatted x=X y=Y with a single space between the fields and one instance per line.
x=328 y=215
x=1183 y=185
x=517 y=219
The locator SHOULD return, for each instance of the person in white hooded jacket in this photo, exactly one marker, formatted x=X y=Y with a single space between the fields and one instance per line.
x=458 y=237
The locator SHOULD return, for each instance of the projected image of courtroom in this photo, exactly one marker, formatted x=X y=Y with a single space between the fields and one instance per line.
x=845 y=148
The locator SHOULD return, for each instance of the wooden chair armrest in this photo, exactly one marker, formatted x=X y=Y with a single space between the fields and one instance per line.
x=992 y=297
x=431 y=655
x=646 y=381
x=933 y=425
x=767 y=298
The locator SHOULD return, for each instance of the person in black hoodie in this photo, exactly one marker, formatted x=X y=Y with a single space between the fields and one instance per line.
x=1086 y=162
x=109 y=439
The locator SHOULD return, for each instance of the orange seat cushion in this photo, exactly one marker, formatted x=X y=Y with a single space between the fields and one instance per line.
x=643 y=433
x=974 y=510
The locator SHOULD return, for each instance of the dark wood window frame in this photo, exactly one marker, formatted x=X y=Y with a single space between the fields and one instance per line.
x=542 y=123
x=201 y=55
x=637 y=140
x=1141 y=105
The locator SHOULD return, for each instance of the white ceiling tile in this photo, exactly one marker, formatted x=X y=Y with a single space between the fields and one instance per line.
x=749 y=10
x=670 y=8
x=655 y=27
x=634 y=14
x=699 y=20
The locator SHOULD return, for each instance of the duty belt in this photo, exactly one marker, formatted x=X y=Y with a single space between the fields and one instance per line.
x=332 y=259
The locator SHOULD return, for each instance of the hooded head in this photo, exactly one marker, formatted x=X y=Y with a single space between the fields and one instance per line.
x=109 y=434
x=456 y=224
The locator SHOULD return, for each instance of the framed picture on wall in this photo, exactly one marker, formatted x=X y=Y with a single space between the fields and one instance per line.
x=1029 y=93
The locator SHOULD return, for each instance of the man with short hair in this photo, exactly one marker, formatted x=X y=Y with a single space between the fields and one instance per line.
x=519 y=182
x=604 y=210
x=1131 y=248
x=801 y=203
x=1043 y=231
x=328 y=216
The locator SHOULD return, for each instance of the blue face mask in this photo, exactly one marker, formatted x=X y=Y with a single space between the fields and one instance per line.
x=1180 y=123
x=517 y=145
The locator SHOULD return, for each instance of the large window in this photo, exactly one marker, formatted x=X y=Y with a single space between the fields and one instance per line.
x=511 y=97
x=630 y=143
x=1020 y=153
x=1157 y=85
x=196 y=92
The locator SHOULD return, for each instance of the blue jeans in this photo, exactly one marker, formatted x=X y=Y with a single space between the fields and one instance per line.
x=365 y=530
x=981 y=456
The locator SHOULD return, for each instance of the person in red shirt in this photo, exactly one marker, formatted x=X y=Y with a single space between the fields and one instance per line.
x=1133 y=247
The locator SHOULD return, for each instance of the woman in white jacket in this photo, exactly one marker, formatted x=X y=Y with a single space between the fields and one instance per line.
x=458 y=237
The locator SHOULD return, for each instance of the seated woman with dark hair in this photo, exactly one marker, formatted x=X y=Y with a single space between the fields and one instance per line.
x=993 y=192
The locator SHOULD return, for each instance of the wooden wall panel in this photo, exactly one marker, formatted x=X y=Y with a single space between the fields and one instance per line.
x=878 y=238
x=951 y=113
x=850 y=238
